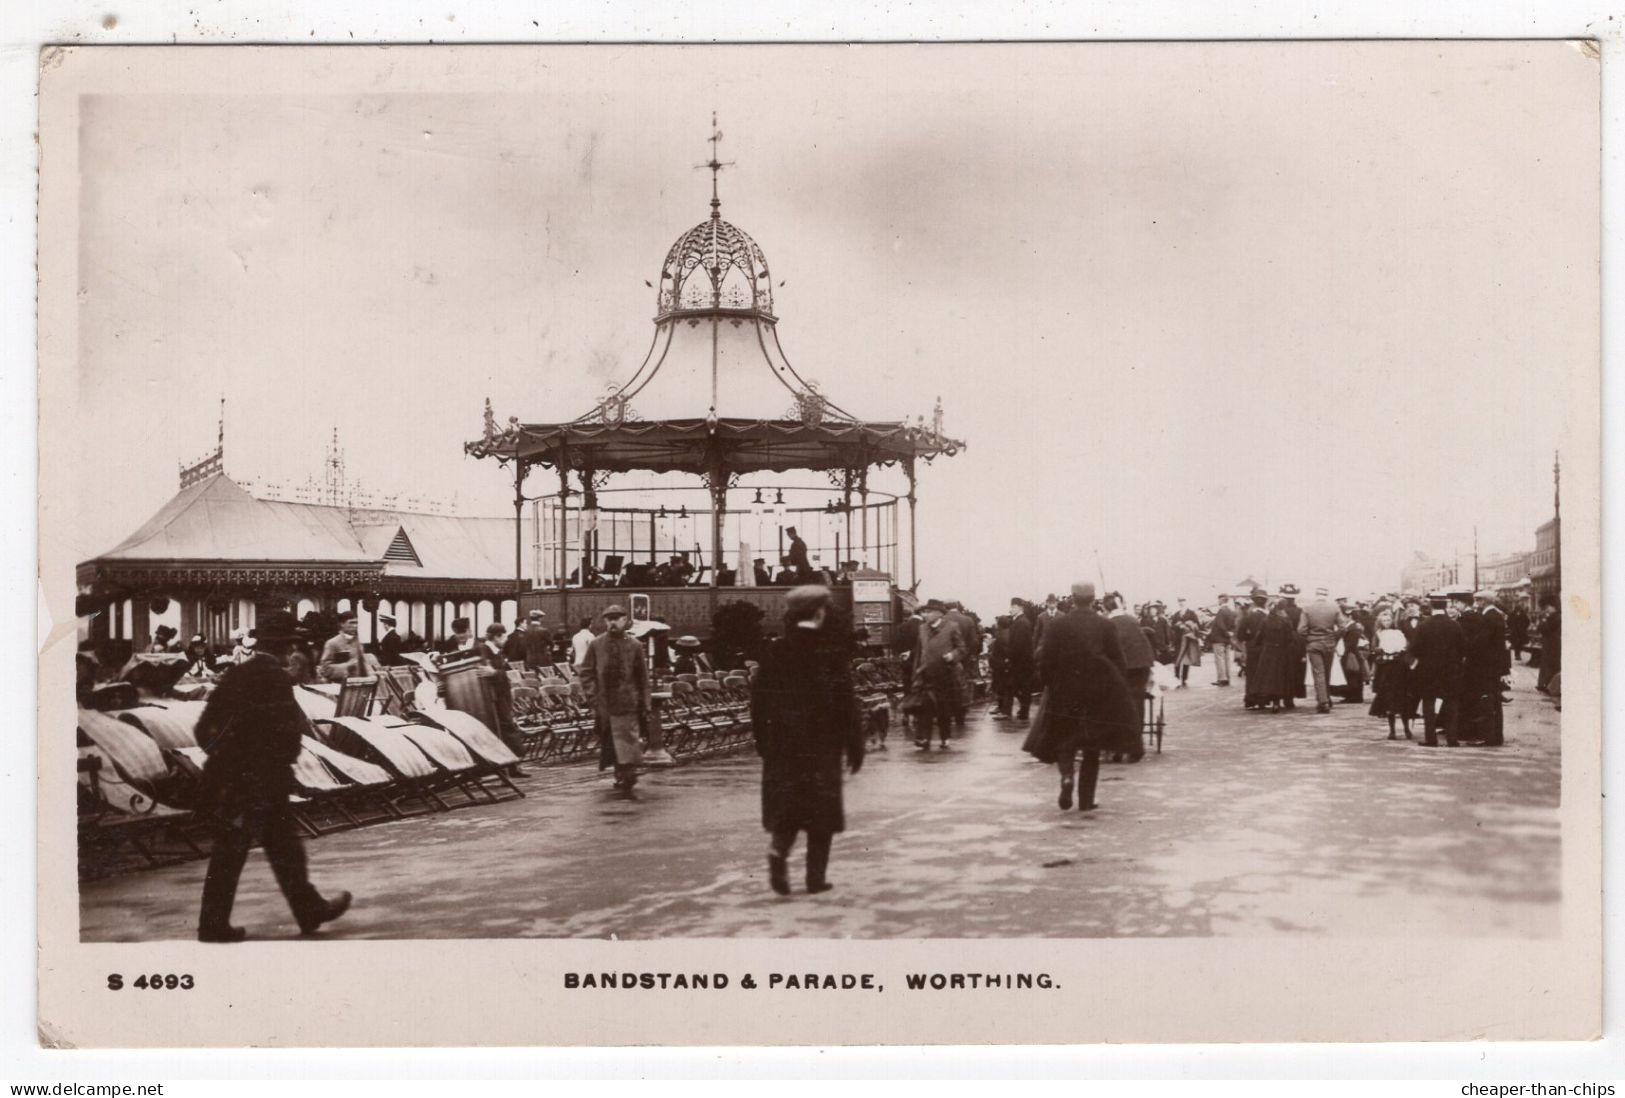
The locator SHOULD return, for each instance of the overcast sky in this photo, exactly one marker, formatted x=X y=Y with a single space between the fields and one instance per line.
x=1208 y=310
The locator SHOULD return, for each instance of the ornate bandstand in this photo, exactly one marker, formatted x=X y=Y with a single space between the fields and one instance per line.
x=716 y=398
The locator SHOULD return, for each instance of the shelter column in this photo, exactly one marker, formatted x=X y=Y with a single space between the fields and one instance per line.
x=913 y=555
x=519 y=470
x=863 y=502
x=140 y=628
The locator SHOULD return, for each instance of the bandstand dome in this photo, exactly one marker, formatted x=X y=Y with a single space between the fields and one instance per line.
x=716 y=346
x=715 y=393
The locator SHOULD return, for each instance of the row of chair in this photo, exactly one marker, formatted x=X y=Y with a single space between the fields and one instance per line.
x=140 y=771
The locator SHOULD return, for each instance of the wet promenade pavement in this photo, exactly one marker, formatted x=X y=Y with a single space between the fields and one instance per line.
x=1246 y=825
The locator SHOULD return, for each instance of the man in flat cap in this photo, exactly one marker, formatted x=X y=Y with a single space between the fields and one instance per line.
x=342 y=656
x=538 y=641
x=615 y=676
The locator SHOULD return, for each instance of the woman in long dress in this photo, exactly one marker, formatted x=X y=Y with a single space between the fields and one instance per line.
x=1276 y=654
x=1390 y=688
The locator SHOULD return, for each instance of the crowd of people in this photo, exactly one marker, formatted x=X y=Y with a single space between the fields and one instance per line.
x=1087 y=659
x=1443 y=658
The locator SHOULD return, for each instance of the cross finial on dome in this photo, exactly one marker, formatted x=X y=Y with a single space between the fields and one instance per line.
x=716 y=166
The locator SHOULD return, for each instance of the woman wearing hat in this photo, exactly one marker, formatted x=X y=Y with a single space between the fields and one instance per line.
x=687 y=649
x=806 y=720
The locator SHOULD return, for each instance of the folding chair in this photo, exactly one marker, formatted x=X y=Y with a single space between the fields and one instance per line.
x=494 y=756
x=355 y=696
x=416 y=776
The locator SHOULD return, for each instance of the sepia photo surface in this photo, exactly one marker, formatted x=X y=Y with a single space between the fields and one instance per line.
x=854 y=544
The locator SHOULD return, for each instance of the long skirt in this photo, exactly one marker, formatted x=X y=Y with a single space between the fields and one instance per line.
x=1270 y=680
x=1390 y=689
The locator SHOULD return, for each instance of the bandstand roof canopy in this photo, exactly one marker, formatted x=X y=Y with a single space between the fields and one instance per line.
x=715 y=394
x=701 y=446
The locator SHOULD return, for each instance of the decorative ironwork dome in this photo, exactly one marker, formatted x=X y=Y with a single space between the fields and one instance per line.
x=715 y=266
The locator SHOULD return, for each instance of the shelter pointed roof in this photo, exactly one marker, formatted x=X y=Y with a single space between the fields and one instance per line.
x=216 y=522
x=215 y=519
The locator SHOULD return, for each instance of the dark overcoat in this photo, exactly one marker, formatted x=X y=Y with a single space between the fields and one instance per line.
x=1020 y=648
x=805 y=717
x=1270 y=675
x=253 y=731
x=1437 y=649
x=1518 y=627
x=1086 y=704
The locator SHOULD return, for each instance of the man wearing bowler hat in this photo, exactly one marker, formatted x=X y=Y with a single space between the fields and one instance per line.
x=934 y=696
x=253 y=729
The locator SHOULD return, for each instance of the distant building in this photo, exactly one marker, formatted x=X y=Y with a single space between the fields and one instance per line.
x=1545 y=563
x=1424 y=574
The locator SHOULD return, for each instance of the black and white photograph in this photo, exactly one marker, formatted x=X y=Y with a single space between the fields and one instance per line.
x=1119 y=497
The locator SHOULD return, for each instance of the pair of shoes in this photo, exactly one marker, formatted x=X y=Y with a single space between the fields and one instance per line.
x=923 y=745
x=1065 y=800
x=1087 y=807
x=815 y=887
x=225 y=934
x=943 y=746
x=331 y=909
x=1323 y=709
x=1181 y=686
x=778 y=874
x=1392 y=735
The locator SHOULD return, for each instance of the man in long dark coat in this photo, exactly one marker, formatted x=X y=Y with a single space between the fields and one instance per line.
x=1435 y=678
x=1087 y=708
x=1020 y=649
x=538 y=652
x=806 y=721
x=253 y=729
x=1518 y=630
x=1485 y=662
